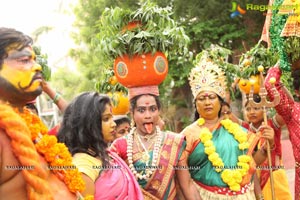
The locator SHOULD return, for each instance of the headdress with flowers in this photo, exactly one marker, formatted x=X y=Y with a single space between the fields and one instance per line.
x=207 y=76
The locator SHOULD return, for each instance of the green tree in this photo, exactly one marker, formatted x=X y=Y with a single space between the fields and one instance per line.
x=87 y=13
x=206 y=23
x=69 y=85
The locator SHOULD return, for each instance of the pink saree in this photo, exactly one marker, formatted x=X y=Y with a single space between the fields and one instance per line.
x=117 y=182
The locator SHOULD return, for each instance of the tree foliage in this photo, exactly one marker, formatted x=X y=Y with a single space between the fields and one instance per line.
x=87 y=14
x=205 y=22
x=69 y=85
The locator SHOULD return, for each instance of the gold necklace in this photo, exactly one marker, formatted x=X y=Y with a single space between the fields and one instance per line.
x=145 y=154
x=143 y=144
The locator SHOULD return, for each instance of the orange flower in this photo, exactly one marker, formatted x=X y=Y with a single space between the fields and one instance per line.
x=56 y=154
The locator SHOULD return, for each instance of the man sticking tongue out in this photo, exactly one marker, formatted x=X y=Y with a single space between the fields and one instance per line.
x=151 y=153
x=148 y=127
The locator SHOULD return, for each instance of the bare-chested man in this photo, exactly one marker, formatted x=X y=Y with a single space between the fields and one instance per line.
x=23 y=171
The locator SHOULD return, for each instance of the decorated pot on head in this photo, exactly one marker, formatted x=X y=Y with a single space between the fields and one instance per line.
x=141 y=74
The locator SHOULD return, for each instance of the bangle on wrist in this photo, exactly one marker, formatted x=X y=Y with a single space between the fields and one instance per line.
x=56 y=97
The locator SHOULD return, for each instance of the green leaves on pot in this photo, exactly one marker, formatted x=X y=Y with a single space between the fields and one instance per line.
x=145 y=30
x=42 y=59
x=256 y=56
x=108 y=83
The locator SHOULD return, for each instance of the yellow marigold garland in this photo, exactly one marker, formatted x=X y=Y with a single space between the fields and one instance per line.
x=56 y=154
x=89 y=197
x=232 y=177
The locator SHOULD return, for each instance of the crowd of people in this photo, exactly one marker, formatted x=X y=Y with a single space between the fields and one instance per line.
x=94 y=154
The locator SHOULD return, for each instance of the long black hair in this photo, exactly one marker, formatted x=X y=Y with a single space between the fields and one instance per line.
x=81 y=128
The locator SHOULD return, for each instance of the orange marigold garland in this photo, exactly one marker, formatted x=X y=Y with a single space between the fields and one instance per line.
x=24 y=149
x=56 y=154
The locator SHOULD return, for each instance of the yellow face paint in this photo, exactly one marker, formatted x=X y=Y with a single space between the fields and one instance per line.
x=108 y=124
x=21 y=70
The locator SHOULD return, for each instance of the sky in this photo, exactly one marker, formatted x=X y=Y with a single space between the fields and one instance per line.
x=28 y=15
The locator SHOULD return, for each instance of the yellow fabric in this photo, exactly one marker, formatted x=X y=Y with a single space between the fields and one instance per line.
x=87 y=164
x=281 y=187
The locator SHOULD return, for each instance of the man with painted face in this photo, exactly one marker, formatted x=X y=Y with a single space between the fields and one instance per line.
x=27 y=170
x=20 y=75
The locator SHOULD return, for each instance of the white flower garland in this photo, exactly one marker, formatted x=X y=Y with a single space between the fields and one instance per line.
x=148 y=169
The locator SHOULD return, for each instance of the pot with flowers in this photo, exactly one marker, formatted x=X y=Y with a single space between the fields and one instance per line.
x=138 y=43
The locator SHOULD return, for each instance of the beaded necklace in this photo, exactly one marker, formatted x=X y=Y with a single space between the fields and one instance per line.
x=148 y=169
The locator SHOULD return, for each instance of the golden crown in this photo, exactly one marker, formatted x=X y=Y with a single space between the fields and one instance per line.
x=207 y=76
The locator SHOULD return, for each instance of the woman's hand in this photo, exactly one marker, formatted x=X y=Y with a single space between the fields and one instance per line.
x=47 y=89
x=56 y=97
x=268 y=133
